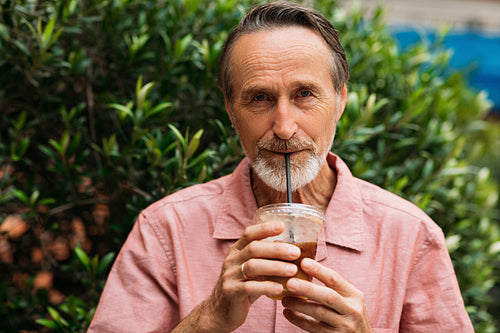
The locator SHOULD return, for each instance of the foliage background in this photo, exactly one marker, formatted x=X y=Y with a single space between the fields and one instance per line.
x=107 y=106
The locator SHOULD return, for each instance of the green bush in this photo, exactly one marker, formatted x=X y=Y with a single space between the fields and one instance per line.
x=415 y=129
x=107 y=106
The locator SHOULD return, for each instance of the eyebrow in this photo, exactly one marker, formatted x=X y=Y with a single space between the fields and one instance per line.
x=307 y=85
x=250 y=91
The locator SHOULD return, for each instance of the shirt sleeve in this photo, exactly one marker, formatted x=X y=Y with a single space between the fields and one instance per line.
x=433 y=302
x=140 y=294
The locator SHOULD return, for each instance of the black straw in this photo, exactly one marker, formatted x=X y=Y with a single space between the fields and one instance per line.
x=288 y=181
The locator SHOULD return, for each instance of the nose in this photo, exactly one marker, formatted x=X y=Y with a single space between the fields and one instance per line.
x=284 y=125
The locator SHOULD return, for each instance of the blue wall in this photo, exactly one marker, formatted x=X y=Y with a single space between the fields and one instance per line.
x=473 y=52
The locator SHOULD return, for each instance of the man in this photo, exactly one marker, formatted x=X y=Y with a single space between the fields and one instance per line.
x=194 y=261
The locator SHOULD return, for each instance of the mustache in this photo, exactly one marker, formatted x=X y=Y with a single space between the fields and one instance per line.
x=290 y=145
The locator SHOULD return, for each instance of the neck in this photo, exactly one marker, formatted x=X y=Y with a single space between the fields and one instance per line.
x=317 y=193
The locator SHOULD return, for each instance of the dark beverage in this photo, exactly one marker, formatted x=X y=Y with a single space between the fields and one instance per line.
x=307 y=250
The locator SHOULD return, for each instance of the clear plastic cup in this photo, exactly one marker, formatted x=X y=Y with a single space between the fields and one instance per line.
x=302 y=226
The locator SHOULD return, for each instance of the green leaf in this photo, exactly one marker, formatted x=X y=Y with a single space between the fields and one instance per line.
x=34 y=196
x=125 y=110
x=179 y=136
x=193 y=145
x=453 y=242
x=105 y=262
x=30 y=26
x=158 y=108
x=53 y=39
x=65 y=140
x=22 y=48
x=73 y=145
x=138 y=85
x=143 y=94
x=110 y=146
x=18 y=150
x=61 y=146
x=203 y=156
x=57 y=317
x=456 y=171
x=6 y=196
x=83 y=258
x=400 y=184
x=191 y=5
x=47 y=201
x=49 y=152
x=181 y=45
x=57 y=146
x=21 y=196
x=202 y=175
x=39 y=30
x=136 y=43
x=47 y=32
x=94 y=263
x=166 y=41
x=21 y=121
x=4 y=32
x=47 y=323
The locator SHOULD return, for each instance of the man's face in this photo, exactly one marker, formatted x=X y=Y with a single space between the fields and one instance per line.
x=284 y=102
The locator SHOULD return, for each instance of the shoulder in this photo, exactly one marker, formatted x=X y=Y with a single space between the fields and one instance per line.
x=186 y=210
x=198 y=193
x=392 y=211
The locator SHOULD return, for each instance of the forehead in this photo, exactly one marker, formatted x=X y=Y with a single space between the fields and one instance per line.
x=280 y=49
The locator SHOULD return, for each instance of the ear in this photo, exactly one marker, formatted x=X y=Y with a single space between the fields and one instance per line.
x=343 y=101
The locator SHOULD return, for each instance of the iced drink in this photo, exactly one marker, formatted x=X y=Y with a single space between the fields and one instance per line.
x=302 y=226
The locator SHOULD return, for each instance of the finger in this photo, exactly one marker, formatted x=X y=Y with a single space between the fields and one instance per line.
x=308 y=310
x=329 y=277
x=257 y=232
x=305 y=322
x=253 y=289
x=254 y=268
x=270 y=259
x=320 y=294
x=234 y=284
x=271 y=250
x=353 y=318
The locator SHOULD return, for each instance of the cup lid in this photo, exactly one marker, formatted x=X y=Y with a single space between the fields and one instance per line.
x=297 y=209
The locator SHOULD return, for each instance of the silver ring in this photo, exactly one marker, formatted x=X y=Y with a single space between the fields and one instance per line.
x=245 y=277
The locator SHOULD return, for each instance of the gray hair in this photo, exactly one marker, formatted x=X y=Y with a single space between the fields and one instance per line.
x=284 y=14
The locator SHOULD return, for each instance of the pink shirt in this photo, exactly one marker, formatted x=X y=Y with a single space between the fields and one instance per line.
x=385 y=246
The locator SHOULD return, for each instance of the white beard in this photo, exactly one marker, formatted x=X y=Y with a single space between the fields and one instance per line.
x=271 y=169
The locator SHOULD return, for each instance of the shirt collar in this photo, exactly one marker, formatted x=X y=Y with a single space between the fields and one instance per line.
x=345 y=226
x=238 y=204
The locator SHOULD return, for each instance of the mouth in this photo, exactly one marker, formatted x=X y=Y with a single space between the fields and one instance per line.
x=281 y=154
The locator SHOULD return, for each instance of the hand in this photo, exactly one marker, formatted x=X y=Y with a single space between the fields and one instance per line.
x=336 y=307
x=239 y=286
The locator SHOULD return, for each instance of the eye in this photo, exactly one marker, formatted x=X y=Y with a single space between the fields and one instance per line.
x=259 y=98
x=304 y=93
